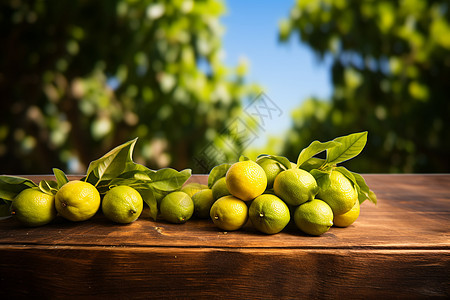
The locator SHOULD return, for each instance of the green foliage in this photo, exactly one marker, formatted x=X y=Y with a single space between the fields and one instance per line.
x=11 y=186
x=79 y=77
x=61 y=178
x=314 y=148
x=391 y=68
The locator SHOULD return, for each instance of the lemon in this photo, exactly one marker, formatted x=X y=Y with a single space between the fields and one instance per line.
x=31 y=207
x=192 y=188
x=77 y=200
x=229 y=213
x=341 y=195
x=347 y=218
x=177 y=207
x=314 y=217
x=246 y=180
x=203 y=200
x=122 y=204
x=295 y=186
x=220 y=189
x=269 y=214
x=271 y=167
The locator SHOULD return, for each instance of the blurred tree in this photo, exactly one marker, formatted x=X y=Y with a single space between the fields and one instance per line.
x=80 y=77
x=391 y=73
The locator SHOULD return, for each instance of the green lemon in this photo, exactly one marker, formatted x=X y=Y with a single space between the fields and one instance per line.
x=77 y=200
x=122 y=204
x=272 y=168
x=314 y=217
x=177 y=207
x=347 y=218
x=341 y=195
x=31 y=207
x=203 y=200
x=229 y=213
x=269 y=214
x=220 y=189
x=295 y=186
x=192 y=188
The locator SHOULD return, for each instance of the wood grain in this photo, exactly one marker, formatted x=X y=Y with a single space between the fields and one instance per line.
x=397 y=249
x=233 y=273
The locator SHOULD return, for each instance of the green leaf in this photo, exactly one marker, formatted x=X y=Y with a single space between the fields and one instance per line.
x=11 y=186
x=169 y=179
x=216 y=173
x=281 y=159
x=372 y=197
x=131 y=182
x=134 y=167
x=313 y=149
x=61 y=178
x=149 y=198
x=137 y=174
x=351 y=146
x=365 y=192
x=112 y=164
x=48 y=186
x=312 y=163
x=322 y=177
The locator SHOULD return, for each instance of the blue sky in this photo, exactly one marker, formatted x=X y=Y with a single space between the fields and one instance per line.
x=288 y=72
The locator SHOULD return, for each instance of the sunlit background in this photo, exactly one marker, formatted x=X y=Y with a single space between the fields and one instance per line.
x=78 y=78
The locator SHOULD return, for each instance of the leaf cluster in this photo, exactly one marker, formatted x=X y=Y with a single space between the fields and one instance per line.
x=337 y=150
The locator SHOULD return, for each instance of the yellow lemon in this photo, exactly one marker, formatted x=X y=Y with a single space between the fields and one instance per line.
x=347 y=218
x=229 y=213
x=77 y=200
x=246 y=180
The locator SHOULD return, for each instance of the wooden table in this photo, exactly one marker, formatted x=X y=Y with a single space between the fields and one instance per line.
x=397 y=249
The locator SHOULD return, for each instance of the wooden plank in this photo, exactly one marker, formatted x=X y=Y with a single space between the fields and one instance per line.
x=136 y=272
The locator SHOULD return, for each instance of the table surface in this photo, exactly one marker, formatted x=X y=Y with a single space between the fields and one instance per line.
x=399 y=247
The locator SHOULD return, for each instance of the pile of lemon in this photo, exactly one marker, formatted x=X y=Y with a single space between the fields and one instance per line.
x=270 y=195
x=264 y=192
